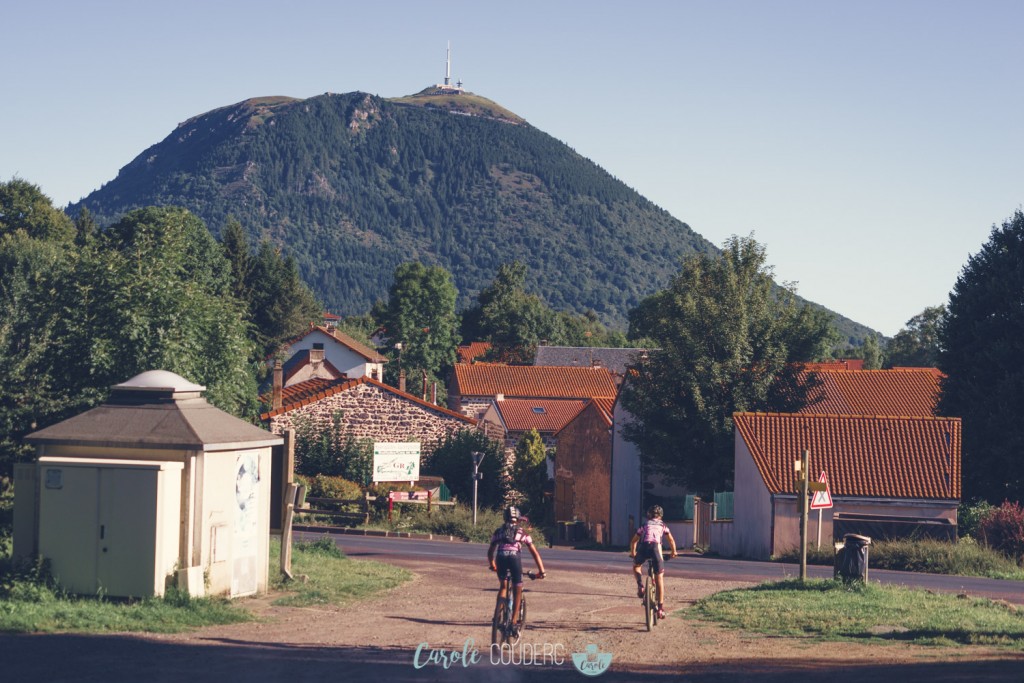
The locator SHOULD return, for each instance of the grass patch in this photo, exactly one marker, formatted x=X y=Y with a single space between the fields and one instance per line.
x=331 y=578
x=963 y=558
x=831 y=610
x=30 y=602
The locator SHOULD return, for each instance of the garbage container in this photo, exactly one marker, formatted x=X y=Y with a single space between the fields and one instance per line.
x=852 y=558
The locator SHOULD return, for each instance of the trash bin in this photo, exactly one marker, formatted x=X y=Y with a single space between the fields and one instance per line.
x=852 y=558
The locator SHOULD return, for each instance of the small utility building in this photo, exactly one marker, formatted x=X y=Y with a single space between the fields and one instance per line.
x=155 y=486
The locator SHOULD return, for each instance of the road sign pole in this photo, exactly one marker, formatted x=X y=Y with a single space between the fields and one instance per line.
x=805 y=468
x=819 y=528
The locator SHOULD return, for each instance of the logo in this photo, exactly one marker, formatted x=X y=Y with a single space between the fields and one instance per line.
x=593 y=662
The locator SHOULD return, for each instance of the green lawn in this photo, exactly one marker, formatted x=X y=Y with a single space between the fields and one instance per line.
x=831 y=610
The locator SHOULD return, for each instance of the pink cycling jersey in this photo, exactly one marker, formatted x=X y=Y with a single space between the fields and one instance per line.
x=652 y=531
x=521 y=537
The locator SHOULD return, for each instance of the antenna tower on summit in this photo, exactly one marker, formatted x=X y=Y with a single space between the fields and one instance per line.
x=447 y=88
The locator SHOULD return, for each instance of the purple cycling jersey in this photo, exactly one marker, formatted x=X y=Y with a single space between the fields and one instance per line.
x=652 y=531
x=521 y=537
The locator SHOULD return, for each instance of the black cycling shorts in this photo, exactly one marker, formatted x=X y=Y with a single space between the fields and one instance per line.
x=652 y=551
x=512 y=563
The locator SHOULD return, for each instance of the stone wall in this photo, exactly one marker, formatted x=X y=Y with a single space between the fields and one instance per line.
x=369 y=412
x=583 y=460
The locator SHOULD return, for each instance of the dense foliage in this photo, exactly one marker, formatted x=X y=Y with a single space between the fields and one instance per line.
x=354 y=185
x=453 y=460
x=981 y=343
x=530 y=475
x=727 y=341
x=917 y=344
x=82 y=310
x=1002 y=529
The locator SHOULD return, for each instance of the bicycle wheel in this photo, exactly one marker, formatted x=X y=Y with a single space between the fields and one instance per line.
x=522 y=620
x=649 y=614
x=654 y=596
x=499 y=622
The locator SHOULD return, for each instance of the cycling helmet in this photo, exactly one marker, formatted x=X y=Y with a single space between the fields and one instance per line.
x=655 y=511
x=511 y=514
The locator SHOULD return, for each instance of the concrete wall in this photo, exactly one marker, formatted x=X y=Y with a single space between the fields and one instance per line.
x=750 y=535
x=625 y=481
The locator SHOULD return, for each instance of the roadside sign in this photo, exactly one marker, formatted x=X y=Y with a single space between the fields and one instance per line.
x=823 y=497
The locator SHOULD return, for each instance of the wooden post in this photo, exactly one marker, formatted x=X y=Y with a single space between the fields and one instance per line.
x=286 y=531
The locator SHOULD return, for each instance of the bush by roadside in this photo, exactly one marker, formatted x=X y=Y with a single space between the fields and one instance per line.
x=963 y=558
x=449 y=520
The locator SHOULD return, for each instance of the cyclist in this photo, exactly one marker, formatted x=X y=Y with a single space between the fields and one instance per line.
x=648 y=538
x=504 y=555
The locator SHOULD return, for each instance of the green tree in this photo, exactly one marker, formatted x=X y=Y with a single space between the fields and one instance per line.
x=981 y=342
x=236 y=250
x=281 y=306
x=530 y=475
x=512 y=320
x=150 y=292
x=917 y=344
x=420 y=313
x=872 y=353
x=728 y=340
x=453 y=460
x=23 y=206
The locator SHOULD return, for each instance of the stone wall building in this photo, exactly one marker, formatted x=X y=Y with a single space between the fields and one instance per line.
x=368 y=409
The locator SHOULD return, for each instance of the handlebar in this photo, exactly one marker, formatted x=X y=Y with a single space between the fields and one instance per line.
x=532 y=575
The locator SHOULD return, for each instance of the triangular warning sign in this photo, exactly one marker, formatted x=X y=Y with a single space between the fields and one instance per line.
x=822 y=499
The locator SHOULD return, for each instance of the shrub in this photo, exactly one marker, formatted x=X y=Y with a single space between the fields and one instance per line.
x=326 y=486
x=1002 y=529
x=969 y=517
x=453 y=460
x=328 y=449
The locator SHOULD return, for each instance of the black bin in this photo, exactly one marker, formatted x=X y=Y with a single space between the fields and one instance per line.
x=852 y=558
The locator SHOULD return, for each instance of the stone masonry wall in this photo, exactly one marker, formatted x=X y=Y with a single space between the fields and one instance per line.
x=369 y=412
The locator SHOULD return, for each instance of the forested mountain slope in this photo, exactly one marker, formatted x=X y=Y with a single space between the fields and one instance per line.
x=353 y=185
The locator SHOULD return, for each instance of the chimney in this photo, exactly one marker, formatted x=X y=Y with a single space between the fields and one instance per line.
x=433 y=393
x=276 y=401
x=424 y=385
x=401 y=380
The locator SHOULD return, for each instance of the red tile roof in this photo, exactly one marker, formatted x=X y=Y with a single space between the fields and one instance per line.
x=313 y=390
x=532 y=381
x=907 y=391
x=864 y=456
x=544 y=415
x=473 y=350
x=841 y=364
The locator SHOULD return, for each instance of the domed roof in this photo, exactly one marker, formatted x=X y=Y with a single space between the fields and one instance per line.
x=159 y=380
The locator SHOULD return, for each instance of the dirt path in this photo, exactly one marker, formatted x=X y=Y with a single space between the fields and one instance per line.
x=445 y=610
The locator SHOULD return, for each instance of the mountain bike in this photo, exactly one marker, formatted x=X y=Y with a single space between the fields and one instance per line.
x=650 y=599
x=501 y=624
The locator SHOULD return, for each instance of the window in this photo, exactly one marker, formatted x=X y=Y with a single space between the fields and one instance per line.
x=539 y=410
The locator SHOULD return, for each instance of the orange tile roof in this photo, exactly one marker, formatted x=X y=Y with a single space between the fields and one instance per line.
x=841 y=364
x=521 y=414
x=864 y=456
x=313 y=390
x=532 y=381
x=467 y=353
x=908 y=391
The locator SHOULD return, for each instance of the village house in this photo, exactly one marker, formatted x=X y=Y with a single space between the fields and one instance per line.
x=880 y=470
x=583 y=469
x=366 y=408
x=475 y=388
x=327 y=353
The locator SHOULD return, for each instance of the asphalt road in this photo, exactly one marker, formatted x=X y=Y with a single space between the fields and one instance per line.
x=686 y=566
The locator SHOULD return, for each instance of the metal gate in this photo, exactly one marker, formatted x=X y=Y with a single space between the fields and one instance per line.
x=703 y=514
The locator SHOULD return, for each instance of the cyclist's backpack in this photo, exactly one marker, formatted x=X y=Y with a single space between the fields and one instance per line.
x=509 y=533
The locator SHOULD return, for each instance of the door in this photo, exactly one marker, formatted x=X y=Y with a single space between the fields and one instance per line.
x=69 y=524
x=126 y=539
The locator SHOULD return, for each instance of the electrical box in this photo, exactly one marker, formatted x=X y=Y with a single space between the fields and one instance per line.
x=109 y=526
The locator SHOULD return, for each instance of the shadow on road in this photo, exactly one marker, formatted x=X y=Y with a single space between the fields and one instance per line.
x=59 y=658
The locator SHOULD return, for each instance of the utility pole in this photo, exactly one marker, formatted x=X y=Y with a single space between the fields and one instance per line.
x=477 y=476
x=803 y=468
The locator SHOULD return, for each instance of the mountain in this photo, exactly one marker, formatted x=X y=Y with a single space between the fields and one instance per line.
x=352 y=185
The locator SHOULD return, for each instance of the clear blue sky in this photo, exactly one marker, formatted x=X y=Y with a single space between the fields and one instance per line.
x=870 y=146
